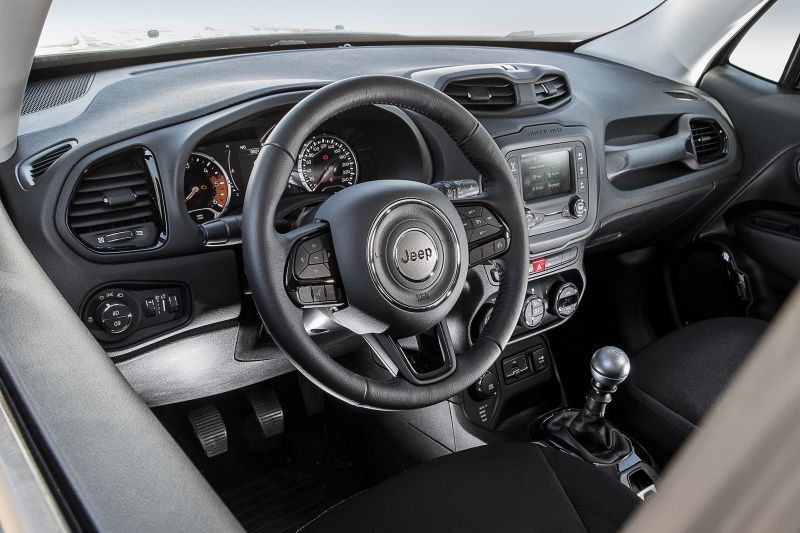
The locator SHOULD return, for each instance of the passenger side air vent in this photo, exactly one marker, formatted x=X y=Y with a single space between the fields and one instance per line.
x=117 y=204
x=32 y=169
x=551 y=90
x=709 y=140
x=483 y=94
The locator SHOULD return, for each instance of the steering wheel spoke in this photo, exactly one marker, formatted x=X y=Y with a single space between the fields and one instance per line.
x=487 y=234
x=422 y=359
x=311 y=271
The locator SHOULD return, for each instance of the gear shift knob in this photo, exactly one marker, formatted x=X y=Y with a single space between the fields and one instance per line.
x=609 y=367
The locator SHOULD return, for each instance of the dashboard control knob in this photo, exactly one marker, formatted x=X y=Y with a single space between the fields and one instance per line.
x=487 y=386
x=577 y=207
x=113 y=316
x=564 y=299
x=532 y=313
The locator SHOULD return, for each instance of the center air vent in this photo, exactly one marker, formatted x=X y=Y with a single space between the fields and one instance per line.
x=483 y=94
x=709 y=141
x=116 y=205
x=551 y=90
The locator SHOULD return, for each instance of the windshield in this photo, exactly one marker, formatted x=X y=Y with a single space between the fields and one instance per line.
x=105 y=25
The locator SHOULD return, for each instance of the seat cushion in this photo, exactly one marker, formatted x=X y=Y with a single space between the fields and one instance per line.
x=676 y=379
x=503 y=487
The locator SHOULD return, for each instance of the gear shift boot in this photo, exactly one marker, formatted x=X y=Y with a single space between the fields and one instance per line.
x=586 y=432
x=588 y=436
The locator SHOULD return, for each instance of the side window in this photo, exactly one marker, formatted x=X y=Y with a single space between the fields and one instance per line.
x=766 y=47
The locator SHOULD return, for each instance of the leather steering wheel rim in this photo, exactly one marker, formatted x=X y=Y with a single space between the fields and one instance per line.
x=266 y=252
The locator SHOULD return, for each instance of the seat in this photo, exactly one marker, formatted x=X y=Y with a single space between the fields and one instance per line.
x=501 y=487
x=676 y=379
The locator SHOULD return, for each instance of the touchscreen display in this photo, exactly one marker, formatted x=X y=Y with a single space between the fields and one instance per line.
x=545 y=174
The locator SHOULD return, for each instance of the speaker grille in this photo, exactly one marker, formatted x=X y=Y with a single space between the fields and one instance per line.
x=44 y=94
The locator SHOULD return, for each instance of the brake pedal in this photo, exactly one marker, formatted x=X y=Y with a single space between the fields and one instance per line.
x=268 y=411
x=209 y=428
x=313 y=397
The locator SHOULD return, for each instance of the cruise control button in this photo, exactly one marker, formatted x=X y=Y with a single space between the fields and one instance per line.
x=487 y=250
x=483 y=232
x=318 y=292
x=490 y=219
x=330 y=293
x=317 y=258
x=300 y=261
x=475 y=255
x=471 y=211
x=499 y=246
x=315 y=272
x=313 y=245
x=305 y=295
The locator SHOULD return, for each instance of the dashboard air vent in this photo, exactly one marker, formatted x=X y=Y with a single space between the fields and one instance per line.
x=32 y=169
x=116 y=205
x=709 y=141
x=483 y=94
x=551 y=90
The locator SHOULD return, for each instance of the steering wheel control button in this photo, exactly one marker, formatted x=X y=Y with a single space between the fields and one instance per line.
x=484 y=225
x=320 y=271
x=416 y=255
x=305 y=295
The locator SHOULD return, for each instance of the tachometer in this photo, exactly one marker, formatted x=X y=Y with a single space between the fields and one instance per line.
x=207 y=188
x=327 y=163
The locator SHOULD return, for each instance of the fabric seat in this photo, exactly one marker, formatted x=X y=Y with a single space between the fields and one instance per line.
x=675 y=380
x=502 y=487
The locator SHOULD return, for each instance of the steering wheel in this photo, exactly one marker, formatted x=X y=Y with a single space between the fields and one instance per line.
x=387 y=259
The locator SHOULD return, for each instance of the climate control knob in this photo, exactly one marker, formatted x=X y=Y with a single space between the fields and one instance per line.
x=114 y=316
x=532 y=312
x=564 y=299
x=487 y=386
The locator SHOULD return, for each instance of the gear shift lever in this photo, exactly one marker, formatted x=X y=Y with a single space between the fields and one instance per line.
x=609 y=367
x=586 y=433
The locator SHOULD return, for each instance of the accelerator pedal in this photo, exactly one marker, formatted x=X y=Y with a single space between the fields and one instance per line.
x=269 y=412
x=313 y=397
x=209 y=428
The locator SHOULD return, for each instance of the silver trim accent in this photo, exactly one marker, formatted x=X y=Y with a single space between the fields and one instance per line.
x=397 y=259
x=370 y=247
x=227 y=180
x=304 y=147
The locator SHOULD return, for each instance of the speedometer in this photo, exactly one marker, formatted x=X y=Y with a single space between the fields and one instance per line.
x=207 y=188
x=327 y=163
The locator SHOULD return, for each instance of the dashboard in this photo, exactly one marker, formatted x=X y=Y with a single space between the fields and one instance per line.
x=153 y=159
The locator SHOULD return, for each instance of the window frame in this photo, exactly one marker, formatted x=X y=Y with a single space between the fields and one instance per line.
x=790 y=78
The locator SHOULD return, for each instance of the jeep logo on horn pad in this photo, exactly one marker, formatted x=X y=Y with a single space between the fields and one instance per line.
x=415 y=254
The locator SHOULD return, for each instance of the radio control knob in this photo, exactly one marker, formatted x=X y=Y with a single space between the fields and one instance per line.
x=577 y=207
x=113 y=316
